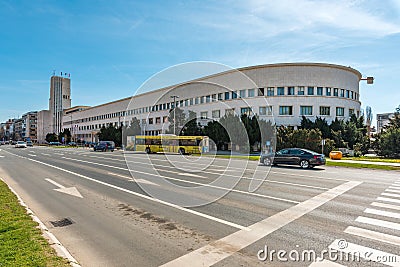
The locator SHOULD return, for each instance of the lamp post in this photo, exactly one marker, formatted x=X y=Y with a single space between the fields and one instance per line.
x=174 y=97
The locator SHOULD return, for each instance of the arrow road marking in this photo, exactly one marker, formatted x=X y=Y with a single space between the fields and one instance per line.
x=66 y=190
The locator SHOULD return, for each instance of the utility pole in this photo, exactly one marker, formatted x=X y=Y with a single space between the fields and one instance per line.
x=174 y=97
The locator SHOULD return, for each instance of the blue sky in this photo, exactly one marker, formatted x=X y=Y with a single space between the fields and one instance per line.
x=112 y=47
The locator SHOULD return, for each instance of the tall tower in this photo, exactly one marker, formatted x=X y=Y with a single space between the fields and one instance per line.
x=60 y=99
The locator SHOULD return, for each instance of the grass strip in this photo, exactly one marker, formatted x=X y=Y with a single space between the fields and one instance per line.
x=372 y=159
x=21 y=241
x=361 y=165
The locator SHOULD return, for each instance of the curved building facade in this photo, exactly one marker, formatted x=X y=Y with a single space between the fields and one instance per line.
x=282 y=93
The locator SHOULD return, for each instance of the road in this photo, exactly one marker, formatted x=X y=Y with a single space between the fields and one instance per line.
x=107 y=218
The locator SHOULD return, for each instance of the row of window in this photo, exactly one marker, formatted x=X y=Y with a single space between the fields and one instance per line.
x=262 y=111
x=269 y=91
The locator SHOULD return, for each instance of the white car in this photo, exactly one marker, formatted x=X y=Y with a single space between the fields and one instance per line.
x=21 y=144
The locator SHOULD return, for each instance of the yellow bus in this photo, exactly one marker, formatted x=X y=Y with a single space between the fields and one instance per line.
x=168 y=144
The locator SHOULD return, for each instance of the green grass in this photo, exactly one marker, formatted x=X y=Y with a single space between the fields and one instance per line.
x=21 y=242
x=360 y=165
x=372 y=159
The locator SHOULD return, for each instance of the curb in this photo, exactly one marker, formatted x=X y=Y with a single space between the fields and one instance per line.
x=52 y=239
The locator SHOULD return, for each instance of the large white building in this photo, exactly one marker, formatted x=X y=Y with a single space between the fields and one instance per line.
x=282 y=93
x=60 y=99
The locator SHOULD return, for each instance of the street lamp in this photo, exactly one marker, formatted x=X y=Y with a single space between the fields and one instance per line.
x=174 y=97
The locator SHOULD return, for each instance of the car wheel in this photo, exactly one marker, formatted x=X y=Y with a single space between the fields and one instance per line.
x=304 y=164
x=267 y=161
x=148 y=151
x=181 y=151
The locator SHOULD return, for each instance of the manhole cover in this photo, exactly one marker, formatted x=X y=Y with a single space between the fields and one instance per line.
x=62 y=222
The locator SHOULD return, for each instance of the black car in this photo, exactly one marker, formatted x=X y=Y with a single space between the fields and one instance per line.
x=294 y=156
x=104 y=146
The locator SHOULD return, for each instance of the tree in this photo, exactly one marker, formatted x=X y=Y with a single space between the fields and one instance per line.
x=66 y=134
x=110 y=133
x=387 y=143
x=191 y=127
x=51 y=137
x=176 y=120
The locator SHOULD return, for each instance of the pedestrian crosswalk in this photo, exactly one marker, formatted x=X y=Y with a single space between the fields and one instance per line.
x=383 y=215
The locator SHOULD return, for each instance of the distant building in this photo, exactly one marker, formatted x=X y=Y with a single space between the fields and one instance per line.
x=383 y=120
x=29 y=130
x=60 y=99
x=43 y=125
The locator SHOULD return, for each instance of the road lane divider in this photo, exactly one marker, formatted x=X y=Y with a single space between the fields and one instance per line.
x=229 y=245
x=197 y=213
x=137 y=180
x=230 y=175
x=190 y=182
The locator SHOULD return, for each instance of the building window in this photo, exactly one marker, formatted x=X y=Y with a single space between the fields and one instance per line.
x=328 y=91
x=290 y=90
x=319 y=90
x=151 y=121
x=234 y=95
x=246 y=111
x=341 y=92
x=214 y=97
x=351 y=112
x=265 y=110
x=191 y=101
x=306 y=110
x=242 y=93
x=202 y=99
x=230 y=111
x=158 y=120
x=281 y=91
x=208 y=99
x=165 y=119
x=226 y=95
x=197 y=100
x=203 y=115
x=285 y=110
x=220 y=96
x=270 y=91
x=250 y=93
x=300 y=90
x=347 y=94
x=260 y=91
x=335 y=92
x=352 y=94
x=339 y=112
x=324 y=111
x=216 y=114
x=310 y=90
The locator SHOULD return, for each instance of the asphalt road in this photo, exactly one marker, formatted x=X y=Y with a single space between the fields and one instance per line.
x=132 y=209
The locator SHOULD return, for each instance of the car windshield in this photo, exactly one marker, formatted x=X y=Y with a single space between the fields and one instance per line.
x=20 y=142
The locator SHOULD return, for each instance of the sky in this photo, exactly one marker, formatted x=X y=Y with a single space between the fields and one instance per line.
x=111 y=48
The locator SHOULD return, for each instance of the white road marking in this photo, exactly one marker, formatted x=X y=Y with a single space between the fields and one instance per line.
x=66 y=190
x=141 y=181
x=227 y=246
x=44 y=154
x=393 y=191
x=383 y=213
x=376 y=222
x=388 y=199
x=390 y=195
x=390 y=239
x=325 y=263
x=384 y=205
x=189 y=182
x=140 y=195
x=367 y=253
x=1 y=156
x=32 y=151
x=234 y=176
x=394 y=187
x=32 y=155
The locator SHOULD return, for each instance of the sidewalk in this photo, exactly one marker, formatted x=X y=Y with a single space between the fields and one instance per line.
x=367 y=162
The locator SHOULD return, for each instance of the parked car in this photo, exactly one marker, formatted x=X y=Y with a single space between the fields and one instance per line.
x=55 y=144
x=29 y=143
x=2 y=143
x=294 y=156
x=72 y=144
x=21 y=144
x=13 y=143
x=104 y=146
